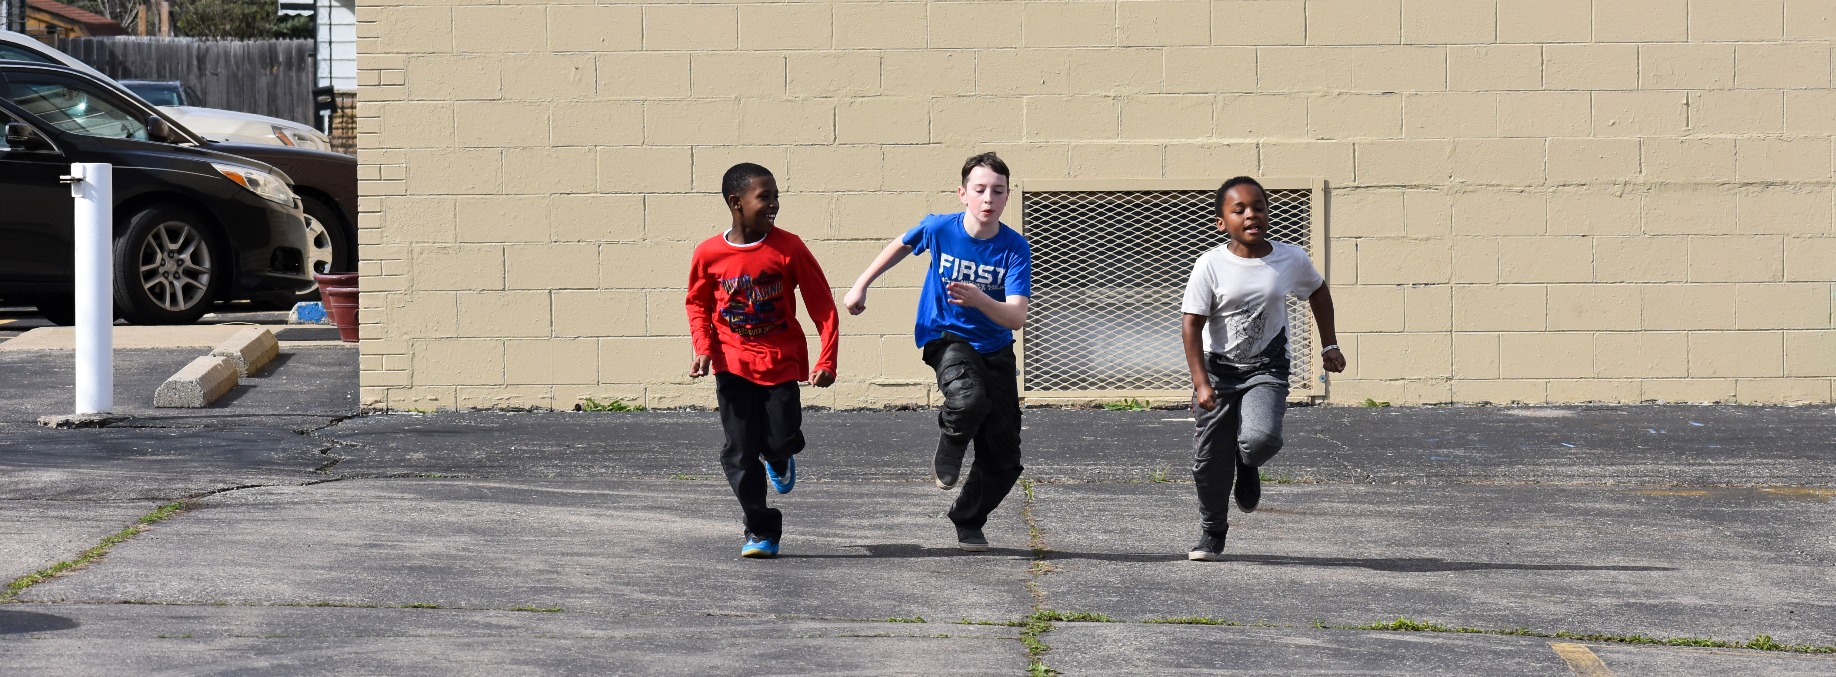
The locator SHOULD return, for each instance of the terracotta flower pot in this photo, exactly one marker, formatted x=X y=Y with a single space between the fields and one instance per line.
x=341 y=302
x=335 y=279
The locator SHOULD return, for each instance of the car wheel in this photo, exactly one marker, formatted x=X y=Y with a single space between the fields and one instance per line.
x=327 y=249
x=168 y=267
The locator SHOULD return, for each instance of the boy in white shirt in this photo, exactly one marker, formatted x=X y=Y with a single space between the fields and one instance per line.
x=1235 y=331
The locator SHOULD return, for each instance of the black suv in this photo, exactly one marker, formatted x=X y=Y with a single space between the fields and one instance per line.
x=192 y=226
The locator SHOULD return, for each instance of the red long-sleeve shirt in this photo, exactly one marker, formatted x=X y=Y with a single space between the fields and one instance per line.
x=741 y=312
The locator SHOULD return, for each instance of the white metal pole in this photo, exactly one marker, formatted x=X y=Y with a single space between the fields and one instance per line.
x=93 y=188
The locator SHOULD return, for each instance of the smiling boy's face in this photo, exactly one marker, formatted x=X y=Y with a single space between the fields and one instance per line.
x=984 y=195
x=1246 y=214
x=756 y=207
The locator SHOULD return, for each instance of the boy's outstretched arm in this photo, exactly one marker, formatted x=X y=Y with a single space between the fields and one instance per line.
x=1190 y=335
x=700 y=305
x=819 y=300
x=1321 y=302
x=856 y=299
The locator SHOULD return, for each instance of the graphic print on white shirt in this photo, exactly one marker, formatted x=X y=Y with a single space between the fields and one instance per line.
x=953 y=269
x=1245 y=299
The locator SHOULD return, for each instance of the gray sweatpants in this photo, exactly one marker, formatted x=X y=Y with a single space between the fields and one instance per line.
x=1242 y=432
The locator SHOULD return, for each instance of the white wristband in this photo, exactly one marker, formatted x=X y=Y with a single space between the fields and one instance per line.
x=1329 y=348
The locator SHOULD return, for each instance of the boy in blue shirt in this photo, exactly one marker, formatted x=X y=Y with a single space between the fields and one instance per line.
x=973 y=299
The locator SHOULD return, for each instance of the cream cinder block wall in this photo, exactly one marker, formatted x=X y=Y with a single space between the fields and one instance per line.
x=1530 y=200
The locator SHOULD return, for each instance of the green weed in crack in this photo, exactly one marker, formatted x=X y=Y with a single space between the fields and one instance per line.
x=906 y=619
x=1159 y=474
x=538 y=609
x=93 y=554
x=1760 y=642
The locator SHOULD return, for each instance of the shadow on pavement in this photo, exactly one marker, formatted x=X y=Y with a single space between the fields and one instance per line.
x=21 y=622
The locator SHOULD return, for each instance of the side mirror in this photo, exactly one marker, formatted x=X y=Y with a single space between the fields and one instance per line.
x=21 y=136
x=159 y=130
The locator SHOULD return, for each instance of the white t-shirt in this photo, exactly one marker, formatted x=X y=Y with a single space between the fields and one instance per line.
x=1244 y=298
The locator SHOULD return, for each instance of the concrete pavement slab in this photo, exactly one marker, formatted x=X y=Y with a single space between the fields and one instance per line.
x=851 y=551
x=171 y=640
x=38 y=534
x=152 y=463
x=298 y=389
x=1138 y=649
x=1644 y=445
x=1726 y=563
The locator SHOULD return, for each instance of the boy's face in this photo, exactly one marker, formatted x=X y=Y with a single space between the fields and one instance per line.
x=984 y=195
x=1246 y=214
x=756 y=207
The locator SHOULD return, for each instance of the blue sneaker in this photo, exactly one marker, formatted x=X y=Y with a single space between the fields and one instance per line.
x=783 y=483
x=759 y=548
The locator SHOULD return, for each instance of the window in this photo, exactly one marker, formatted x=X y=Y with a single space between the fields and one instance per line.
x=11 y=52
x=1110 y=264
x=76 y=110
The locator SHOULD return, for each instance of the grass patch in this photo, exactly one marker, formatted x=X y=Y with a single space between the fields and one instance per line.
x=1130 y=404
x=906 y=619
x=1036 y=649
x=1760 y=642
x=590 y=404
x=536 y=609
x=93 y=554
x=1003 y=624
x=1073 y=617
x=1159 y=474
x=183 y=636
x=1374 y=404
x=1282 y=478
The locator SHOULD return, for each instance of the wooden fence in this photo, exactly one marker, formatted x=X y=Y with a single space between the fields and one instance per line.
x=266 y=77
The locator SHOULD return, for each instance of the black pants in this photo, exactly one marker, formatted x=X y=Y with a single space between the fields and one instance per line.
x=1242 y=432
x=761 y=422
x=981 y=404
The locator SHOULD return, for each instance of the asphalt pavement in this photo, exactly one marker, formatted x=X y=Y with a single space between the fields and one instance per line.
x=1439 y=540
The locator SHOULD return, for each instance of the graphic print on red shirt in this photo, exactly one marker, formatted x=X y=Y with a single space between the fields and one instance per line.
x=742 y=314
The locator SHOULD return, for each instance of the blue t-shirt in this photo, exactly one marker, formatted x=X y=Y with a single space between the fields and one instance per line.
x=1001 y=265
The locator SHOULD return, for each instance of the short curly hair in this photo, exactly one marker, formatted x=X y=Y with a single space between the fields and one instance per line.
x=1217 y=201
x=739 y=177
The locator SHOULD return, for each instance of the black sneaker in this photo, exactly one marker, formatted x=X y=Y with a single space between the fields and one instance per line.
x=1249 y=487
x=948 y=463
x=970 y=540
x=1210 y=547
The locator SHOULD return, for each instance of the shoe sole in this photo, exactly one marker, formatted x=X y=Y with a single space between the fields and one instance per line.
x=758 y=554
x=971 y=547
x=1202 y=556
x=941 y=485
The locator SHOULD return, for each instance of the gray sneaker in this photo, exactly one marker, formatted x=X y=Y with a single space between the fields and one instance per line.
x=970 y=540
x=1210 y=547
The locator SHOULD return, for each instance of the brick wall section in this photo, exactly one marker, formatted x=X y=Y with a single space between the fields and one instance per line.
x=1548 y=201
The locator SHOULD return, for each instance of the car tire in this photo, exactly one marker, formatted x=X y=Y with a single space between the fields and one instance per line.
x=328 y=249
x=169 y=267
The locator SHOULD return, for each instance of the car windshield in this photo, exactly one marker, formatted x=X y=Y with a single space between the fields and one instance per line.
x=158 y=94
x=75 y=110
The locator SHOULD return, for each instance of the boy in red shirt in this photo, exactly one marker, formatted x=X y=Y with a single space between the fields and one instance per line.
x=743 y=320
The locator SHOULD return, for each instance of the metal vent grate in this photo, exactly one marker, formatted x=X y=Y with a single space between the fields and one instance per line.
x=1109 y=271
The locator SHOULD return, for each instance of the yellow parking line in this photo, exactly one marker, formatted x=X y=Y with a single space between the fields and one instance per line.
x=1581 y=660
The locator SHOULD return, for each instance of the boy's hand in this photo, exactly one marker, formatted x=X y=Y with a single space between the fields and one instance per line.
x=855 y=300
x=965 y=294
x=700 y=367
x=822 y=378
x=1333 y=361
x=1206 y=397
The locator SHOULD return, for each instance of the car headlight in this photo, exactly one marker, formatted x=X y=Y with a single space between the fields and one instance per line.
x=257 y=181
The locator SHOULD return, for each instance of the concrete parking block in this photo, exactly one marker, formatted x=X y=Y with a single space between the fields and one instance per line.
x=850 y=551
x=1608 y=560
x=248 y=350
x=129 y=337
x=197 y=384
x=86 y=639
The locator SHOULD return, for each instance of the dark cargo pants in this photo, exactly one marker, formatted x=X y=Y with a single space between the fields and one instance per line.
x=981 y=393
